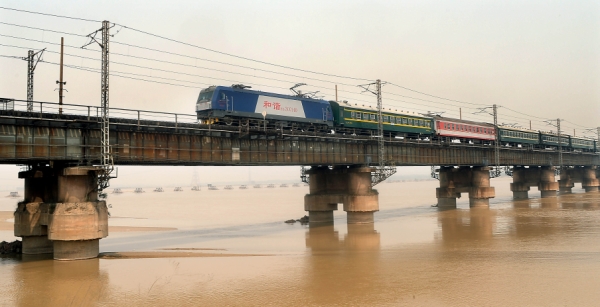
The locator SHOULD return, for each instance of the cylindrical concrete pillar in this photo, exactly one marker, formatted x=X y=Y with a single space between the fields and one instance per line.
x=361 y=201
x=34 y=245
x=76 y=250
x=547 y=185
x=446 y=194
x=480 y=192
x=590 y=183
x=320 y=216
x=519 y=186
x=565 y=183
x=358 y=217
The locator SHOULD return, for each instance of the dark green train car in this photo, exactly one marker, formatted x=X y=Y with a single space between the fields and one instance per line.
x=353 y=117
x=518 y=136
x=551 y=139
x=583 y=144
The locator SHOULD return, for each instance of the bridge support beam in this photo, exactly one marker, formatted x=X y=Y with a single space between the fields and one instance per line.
x=475 y=181
x=586 y=175
x=61 y=213
x=348 y=186
x=542 y=177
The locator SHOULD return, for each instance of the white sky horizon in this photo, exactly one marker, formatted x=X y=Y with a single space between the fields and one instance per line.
x=538 y=60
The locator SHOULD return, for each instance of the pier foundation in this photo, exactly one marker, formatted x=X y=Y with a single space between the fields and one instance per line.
x=542 y=177
x=586 y=175
x=350 y=186
x=475 y=181
x=61 y=213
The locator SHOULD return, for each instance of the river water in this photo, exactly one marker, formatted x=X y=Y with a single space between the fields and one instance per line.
x=231 y=248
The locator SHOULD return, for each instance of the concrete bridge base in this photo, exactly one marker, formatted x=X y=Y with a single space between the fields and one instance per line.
x=542 y=177
x=61 y=213
x=586 y=175
x=475 y=181
x=350 y=186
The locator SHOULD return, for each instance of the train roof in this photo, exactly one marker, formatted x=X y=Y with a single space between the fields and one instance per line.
x=462 y=121
x=583 y=138
x=517 y=129
x=244 y=90
x=554 y=133
x=371 y=108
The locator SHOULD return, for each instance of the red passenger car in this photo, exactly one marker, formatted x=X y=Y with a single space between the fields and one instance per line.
x=464 y=129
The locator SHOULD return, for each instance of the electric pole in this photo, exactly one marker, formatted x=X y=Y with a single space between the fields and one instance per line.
x=559 y=133
x=60 y=82
x=382 y=172
x=496 y=172
x=31 y=64
x=107 y=163
x=497 y=147
x=381 y=140
x=560 y=155
x=30 y=81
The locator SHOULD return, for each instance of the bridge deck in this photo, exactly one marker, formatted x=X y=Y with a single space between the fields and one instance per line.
x=31 y=137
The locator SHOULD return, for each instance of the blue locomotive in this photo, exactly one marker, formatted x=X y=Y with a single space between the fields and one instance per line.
x=237 y=105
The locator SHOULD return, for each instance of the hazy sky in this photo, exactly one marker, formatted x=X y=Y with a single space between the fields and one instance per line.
x=537 y=59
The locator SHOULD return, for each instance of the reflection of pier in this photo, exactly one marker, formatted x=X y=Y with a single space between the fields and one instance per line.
x=529 y=218
x=459 y=226
x=354 y=259
x=56 y=287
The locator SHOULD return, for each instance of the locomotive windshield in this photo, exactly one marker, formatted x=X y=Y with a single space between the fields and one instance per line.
x=205 y=98
x=206 y=94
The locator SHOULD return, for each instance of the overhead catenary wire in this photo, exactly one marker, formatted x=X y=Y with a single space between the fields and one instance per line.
x=50 y=15
x=252 y=68
x=444 y=106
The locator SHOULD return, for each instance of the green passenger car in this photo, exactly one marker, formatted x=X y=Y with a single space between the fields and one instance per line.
x=354 y=117
x=583 y=143
x=518 y=136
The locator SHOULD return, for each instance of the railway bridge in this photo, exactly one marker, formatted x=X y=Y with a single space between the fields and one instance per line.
x=63 y=214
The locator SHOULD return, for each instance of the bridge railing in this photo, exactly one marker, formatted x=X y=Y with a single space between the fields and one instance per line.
x=42 y=109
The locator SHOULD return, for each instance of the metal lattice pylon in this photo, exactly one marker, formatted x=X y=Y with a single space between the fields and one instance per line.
x=107 y=161
x=383 y=170
x=31 y=64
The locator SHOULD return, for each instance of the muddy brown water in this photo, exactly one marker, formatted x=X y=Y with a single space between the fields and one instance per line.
x=231 y=248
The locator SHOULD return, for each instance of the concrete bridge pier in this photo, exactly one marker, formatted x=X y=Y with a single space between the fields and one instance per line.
x=475 y=181
x=350 y=186
x=542 y=177
x=548 y=185
x=61 y=213
x=590 y=179
x=587 y=175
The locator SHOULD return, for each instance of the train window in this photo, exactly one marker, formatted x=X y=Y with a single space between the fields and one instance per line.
x=372 y=116
x=386 y=118
x=352 y=115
